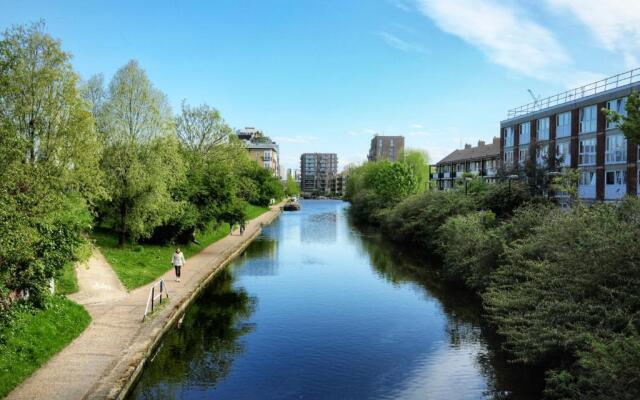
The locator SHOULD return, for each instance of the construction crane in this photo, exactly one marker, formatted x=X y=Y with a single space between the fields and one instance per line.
x=535 y=97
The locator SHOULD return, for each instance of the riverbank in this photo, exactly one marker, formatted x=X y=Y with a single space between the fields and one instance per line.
x=108 y=356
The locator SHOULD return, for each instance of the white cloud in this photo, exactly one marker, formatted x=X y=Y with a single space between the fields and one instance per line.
x=298 y=139
x=418 y=133
x=401 y=44
x=614 y=24
x=416 y=126
x=503 y=33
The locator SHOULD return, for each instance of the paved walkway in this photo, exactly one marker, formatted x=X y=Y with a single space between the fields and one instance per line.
x=102 y=361
x=97 y=282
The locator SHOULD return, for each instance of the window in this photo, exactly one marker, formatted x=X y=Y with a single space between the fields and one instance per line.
x=267 y=156
x=508 y=157
x=508 y=136
x=541 y=154
x=459 y=167
x=525 y=133
x=562 y=153
x=617 y=105
x=543 y=128
x=587 y=178
x=267 y=164
x=617 y=177
x=523 y=154
x=563 y=124
x=587 y=152
x=588 y=119
x=616 y=150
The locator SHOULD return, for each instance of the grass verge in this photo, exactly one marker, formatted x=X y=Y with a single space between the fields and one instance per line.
x=34 y=336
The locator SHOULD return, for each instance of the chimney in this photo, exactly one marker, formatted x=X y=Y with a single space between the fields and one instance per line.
x=467 y=146
x=481 y=143
x=496 y=140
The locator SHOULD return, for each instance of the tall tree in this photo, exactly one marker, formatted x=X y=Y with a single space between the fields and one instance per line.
x=141 y=156
x=418 y=162
x=201 y=128
x=48 y=161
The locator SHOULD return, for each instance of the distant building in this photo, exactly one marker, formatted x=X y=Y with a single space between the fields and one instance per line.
x=261 y=149
x=294 y=174
x=340 y=183
x=482 y=160
x=386 y=148
x=318 y=172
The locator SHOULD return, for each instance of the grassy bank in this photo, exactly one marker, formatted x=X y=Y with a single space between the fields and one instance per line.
x=138 y=264
x=34 y=336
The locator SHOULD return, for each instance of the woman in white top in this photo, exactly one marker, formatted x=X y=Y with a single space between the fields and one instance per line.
x=178 y=262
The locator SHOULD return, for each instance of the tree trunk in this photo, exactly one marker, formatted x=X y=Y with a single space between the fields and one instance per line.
x=123 y=230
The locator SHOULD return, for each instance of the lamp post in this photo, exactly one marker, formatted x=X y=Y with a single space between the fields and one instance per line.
x=510 y=178
x=550 y=175
x=466 y=181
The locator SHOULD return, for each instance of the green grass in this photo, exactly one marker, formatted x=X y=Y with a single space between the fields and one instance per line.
x=67 y=281
x=138 y=264
x=255 y=211
x=34 y=336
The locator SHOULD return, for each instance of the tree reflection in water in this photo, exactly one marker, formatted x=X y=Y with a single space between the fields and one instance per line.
x=463 y=311
x=201 y=351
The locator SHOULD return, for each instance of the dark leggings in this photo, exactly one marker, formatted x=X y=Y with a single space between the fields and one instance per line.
x=177 y=267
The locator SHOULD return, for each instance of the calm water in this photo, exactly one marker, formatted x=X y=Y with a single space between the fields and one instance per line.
x=317 y=309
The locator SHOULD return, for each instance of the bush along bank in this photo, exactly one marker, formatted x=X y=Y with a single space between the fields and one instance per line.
x=560 y=286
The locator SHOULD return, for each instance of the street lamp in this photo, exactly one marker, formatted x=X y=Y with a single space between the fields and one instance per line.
x=466 y=181
x=510 y=178
x=550 y=175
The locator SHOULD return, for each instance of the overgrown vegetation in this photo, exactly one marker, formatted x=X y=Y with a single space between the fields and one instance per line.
x=560 y=286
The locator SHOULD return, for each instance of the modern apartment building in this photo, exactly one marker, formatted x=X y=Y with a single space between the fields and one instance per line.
x=569 y=129
x=261 y=149
x=318 y=172
x=482 y=160
x=386 y=148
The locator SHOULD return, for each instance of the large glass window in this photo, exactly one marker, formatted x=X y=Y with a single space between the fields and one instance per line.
x=587 y=152
x=617 y=177
x=617 y=105
x=543 y=129
x=525 y=133
x=523 y=155
x=616 y=150
x=508 y=136
x=563 y=124
x=587 y=178
x=588 y=119
x=541 y=154
x=562 y=153
x=508 y=157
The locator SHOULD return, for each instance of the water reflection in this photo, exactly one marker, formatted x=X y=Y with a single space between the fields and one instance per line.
x=341 y=314
x=201 y=351
x=476 y=344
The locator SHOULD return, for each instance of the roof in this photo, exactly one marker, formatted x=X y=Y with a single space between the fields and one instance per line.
x=254 y=145
x=473 y=153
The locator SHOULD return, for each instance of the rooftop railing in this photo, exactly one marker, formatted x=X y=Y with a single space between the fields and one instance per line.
x=612 y=82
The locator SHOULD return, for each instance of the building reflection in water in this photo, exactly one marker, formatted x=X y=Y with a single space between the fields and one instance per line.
x=319 y=228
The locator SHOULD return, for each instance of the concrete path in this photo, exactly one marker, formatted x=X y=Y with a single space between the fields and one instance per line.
x=97 y=282
x=105 y=359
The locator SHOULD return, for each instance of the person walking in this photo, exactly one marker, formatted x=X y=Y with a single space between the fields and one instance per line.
x=178 y=262
x=242 y=227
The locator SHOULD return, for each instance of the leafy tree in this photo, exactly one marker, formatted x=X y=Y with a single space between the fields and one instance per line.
x=629 y=124
x=201 y=128
x=418 y=162
x=141 y=155
x=292 y=188
x=48 y=163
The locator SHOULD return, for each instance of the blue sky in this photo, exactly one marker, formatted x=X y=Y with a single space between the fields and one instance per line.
x=326 y=75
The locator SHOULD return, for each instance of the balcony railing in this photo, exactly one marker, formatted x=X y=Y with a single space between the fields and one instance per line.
x=612 y=82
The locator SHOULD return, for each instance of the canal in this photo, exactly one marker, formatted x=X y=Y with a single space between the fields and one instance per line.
x=319 y=309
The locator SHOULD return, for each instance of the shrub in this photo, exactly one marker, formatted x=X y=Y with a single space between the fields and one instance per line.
x=470 y=247
x=574 y=279
x=503 y=198
x=417 y=218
